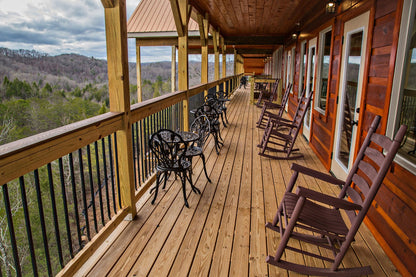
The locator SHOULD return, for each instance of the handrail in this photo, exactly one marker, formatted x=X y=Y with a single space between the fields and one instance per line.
x=22 y=156
x=89 y=145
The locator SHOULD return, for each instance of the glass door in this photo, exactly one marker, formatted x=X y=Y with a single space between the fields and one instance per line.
x=310 y=84
x=352 y=65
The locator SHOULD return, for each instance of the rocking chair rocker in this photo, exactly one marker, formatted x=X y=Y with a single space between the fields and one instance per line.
x=283 y=133
x=323 y=225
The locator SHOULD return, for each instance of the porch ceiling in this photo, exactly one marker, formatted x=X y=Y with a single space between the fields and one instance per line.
x=261 y=22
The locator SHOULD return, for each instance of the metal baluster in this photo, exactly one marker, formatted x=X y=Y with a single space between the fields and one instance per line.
x=84 y=193
x=28 y=225
x=117 y=170
x=142 y=153
x=63 y=189
x=100 y=193
x=11 y=230
x=92 y=202
x=146 y=139
x=74 y=195
x=107 y=194
x=110 y=154
x=55 y=215
x=42 y=222
x=137 y=161
x=134 y=155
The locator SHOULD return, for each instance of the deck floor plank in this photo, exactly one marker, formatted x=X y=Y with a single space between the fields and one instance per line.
x=223 y=232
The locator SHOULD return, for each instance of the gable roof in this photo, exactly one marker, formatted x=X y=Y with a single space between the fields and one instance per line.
x=154 y=18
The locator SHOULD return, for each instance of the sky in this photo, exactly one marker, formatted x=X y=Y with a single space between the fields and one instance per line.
x=64 y=26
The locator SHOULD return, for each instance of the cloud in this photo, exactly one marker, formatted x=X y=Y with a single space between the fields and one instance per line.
x=62 y=26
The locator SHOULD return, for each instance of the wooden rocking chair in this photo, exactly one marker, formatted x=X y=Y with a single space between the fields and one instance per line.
x=323 y=225
x=264 y=93
x=283 y=133
x=268 y=105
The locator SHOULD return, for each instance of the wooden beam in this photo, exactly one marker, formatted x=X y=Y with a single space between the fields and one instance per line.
x=255 y=40
x=119 y=89
x=108 y=3
x=177 y=17
x=243 y=51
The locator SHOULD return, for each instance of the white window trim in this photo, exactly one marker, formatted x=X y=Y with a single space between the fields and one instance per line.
x=302 y=66
x=409 y=7
x=292 y=67
x=318 y=73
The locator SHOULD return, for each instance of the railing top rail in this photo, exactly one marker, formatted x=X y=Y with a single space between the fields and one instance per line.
x=22 y=156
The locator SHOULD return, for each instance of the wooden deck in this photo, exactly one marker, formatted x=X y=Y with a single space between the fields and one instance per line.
x=222 y=233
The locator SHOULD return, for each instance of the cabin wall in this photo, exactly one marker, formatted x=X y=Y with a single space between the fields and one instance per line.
x=392 y=218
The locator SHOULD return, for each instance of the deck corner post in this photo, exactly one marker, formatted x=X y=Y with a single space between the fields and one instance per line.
x=118 y=84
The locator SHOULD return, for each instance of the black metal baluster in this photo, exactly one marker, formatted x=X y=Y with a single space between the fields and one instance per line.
x=84 y=193
x=55 y=215
x=142 y=153
x=28 y=225
x=146 y=136
x=107 y=194
x=137 y=161
x=42 y=222
x=92 y=202
x=63 y=189
x=74 y=195
x=113 y=190
x=134 y=155
x=100 y=193
x=117 y=170
x=11 y=230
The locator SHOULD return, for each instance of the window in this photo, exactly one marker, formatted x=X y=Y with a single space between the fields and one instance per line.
x=324 y=59
x=302 y=67
x=290 y=67
x=403 y=97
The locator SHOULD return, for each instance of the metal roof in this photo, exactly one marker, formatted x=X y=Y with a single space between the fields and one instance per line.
x=154 y=18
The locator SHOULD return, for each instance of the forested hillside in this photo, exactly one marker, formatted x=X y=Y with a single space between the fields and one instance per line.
x=39 y=92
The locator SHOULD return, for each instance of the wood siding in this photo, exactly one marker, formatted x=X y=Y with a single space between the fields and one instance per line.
x=393 y=215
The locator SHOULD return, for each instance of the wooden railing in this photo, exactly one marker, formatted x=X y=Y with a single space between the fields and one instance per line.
x=63 y=185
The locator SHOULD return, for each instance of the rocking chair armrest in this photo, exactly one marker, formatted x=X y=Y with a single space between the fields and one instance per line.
x=327 y=199
x=283 y=123
x=272 y=105
x=317 y=174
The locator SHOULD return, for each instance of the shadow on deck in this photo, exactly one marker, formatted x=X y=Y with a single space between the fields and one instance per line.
x=223 y=232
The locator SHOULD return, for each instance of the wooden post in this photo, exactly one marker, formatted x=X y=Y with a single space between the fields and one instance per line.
x=138 y=73
x=203 y=31
x=173 y=69
x=235 y=63
x=173 y=86
x=180 y=10
x=118 y=85
x=224 y=58
x=217 y=56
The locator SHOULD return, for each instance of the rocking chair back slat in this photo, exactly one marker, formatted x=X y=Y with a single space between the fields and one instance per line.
x=368 y=170
x=376 y=156
x=355 y=196
x=381 y=140
x=361 y=183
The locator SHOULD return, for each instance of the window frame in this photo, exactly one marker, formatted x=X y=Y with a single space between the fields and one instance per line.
x=319 y=70
x=407 y=22
x=302 y=65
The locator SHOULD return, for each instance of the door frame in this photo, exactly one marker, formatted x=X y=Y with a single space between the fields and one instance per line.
x=312 y=43
x=352 y=26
